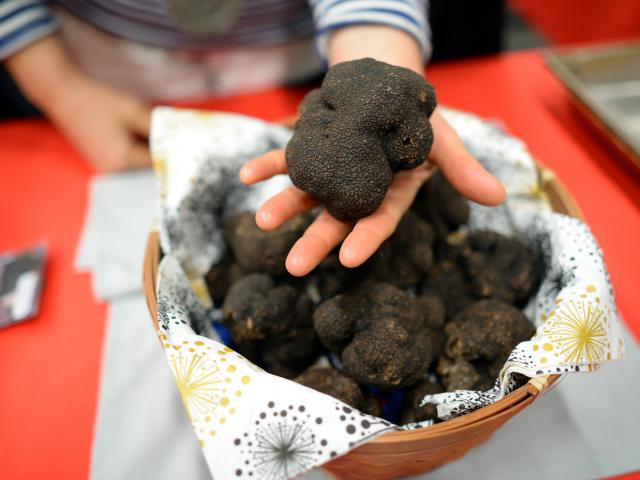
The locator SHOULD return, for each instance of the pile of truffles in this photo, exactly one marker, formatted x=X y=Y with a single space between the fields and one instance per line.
x=367 y=121
x=436 y=309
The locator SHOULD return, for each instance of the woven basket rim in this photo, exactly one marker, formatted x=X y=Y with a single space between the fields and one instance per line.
x=561 y=202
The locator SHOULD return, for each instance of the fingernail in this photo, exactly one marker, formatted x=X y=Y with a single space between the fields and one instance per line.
x=264 y=218
x=296 y=265
x=244 y=174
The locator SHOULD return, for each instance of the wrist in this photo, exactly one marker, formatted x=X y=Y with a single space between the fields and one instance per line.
x=381 y=42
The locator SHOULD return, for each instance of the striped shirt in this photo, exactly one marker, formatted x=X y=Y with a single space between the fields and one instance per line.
x=260 y=22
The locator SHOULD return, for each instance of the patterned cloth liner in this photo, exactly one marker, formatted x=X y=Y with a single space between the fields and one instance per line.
x=252 y=424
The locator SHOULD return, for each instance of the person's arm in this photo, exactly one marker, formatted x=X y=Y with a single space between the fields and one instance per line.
x=106 y=125
x=361 y=240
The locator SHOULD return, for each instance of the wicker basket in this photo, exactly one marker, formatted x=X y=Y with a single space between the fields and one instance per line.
x=413 y=452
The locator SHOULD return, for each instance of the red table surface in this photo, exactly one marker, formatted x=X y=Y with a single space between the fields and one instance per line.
x=49 y=367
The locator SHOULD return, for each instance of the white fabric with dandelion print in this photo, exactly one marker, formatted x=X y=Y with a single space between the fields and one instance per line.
x=251 y=424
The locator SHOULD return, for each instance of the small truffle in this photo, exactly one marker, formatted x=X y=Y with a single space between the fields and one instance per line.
x=460 y=374
x=441 y=205
x=404 y=258
x=379 y=334
x=332 y=382
x=432 y=310
x=221 y=277
x=257 y=250
x=271 y=324
x=334 y=278
x=487 y=330
x=412 y=411
x=501 y=267
x=448 y=280
x=368 y=120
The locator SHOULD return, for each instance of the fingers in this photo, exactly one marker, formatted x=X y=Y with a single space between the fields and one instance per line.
x=317 y=242
x=370 y=232
x=282 y=206
x=138 y=156
x=464 y=172
x=263 y=167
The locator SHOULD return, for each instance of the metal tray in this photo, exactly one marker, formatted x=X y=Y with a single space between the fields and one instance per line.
x=605 y=80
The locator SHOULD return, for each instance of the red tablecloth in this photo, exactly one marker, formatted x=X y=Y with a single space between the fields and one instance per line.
x=49 y=368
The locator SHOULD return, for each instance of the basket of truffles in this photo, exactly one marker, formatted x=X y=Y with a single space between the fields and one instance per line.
x=461 y=319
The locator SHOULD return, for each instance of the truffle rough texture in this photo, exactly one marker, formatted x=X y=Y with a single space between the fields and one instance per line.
x=448 y=280
x=368 y=120
x=379 y=334
x=256 y=308
x=460 y=374
x=257 y=250
x=501 y=267
x=442 y=206
x=271 y=324
x=487 y=330
x=405 y=258
x=412 y=411
x=221 y=277
x=332 y=382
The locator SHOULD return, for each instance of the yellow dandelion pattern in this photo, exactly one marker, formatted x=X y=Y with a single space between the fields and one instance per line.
x=577 y=329
x=199 y=383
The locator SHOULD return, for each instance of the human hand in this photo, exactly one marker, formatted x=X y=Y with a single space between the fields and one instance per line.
x=362 y=238
x=109 y=127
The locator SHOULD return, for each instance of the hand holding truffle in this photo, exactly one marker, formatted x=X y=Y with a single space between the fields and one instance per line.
x=359 y=148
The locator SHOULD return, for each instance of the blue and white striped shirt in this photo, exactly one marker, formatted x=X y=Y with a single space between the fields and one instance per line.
x=261 y=22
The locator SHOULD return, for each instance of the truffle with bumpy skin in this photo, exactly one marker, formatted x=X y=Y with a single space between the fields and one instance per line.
x=448 y=280
x=412 y=412
x=460 y=374
x=221 y=277
x=405 y=258
x=487 y=331
x=332 y=382
x=368 y=121
x=441 y=205
x=257 y=250
x=271 y=324
x=379 y=334
x=501 y=267
x=255 y=308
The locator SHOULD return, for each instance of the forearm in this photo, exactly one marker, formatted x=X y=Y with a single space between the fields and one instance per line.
x=381 y=42
x=43 y=70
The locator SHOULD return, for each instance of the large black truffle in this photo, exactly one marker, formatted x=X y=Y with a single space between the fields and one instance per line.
x=368 y=120
x=379 y=334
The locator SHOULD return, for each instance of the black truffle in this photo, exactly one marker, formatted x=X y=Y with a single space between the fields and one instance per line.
x=379 y=334
x=487 y=330
x=257 y=250
x=460 y=374
x=271 y=324
x=441 y=205
x=332 y=382
x=221 y=277
x=501 y=267
x=405 y=258
x=412 y=411
x=369 y=120
x=448 y=281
